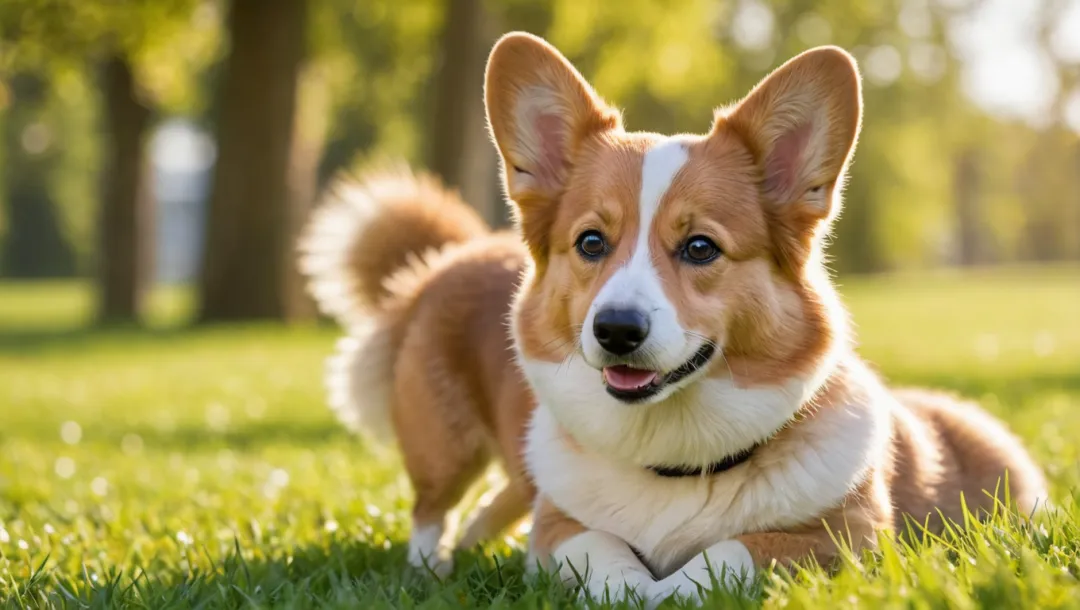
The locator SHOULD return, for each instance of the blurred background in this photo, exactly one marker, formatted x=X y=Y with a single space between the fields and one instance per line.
x=158 y=157
x=182 y=143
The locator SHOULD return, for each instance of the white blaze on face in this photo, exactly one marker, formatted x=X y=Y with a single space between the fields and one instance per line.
x=637 y=284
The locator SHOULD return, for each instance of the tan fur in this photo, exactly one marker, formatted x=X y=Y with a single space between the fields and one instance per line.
x=944 y=448
x=370 y=227
x=942 y=452
x=764 y=184
x=551 y=527
x=424 y=289
x=535 y=170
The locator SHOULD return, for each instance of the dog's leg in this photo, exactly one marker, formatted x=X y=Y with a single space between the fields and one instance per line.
x=854 y=524
x=728 y=562
x=731 y=562
x=602 y=563
x=513 y=501
x=435 y=498
x=506 y=508
x=438 y=490
x=444 y=452
x=605 y=565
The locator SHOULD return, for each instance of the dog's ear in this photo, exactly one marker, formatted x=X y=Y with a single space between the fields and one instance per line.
x=801 y=123
x=539 y=110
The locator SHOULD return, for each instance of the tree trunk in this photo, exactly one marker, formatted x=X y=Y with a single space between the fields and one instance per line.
x=1076 y=200
x=124 y=252
x=309 y=139
x=33 y=245
x=461 y=152
x=247 y=249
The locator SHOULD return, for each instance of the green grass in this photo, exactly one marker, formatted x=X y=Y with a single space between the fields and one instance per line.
x=181 y=468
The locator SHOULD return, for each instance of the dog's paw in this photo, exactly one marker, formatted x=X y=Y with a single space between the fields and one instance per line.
x=427 y=554
x=725 y=563
x=615 y=591
x=439 y=565
x=677 y=586
x=603 y=567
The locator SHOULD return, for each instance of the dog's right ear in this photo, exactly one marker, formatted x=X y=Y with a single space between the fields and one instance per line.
x=539 y=110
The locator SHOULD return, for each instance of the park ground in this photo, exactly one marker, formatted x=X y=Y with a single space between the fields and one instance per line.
x=201 y=469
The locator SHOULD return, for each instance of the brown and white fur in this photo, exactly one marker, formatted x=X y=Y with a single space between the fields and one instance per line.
x=423 y=290
x=839 y=456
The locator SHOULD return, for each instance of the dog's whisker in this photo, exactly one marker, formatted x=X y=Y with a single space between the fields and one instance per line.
x=565 y=364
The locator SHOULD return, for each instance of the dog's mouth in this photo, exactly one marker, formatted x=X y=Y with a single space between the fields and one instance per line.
x=630 y=384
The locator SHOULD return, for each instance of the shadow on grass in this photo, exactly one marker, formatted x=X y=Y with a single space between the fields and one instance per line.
x=37 y=340
x=190 y=437
x=24 y=341
x=339 y=574
x=251 y=435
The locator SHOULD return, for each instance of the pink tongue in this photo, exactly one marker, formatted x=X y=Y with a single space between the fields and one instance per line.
x=622 y=377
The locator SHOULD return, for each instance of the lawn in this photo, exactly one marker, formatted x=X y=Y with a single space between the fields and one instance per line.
x=200 y=468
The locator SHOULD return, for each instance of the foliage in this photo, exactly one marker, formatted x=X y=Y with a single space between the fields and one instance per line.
x=378 y=57
x=62 y=42
x=667 y=63
x=169 y=41
x=201 y=469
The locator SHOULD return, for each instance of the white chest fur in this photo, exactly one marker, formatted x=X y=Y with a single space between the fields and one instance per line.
x=787 y=482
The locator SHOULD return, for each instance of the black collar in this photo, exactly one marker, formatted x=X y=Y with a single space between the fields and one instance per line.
x=723 y=465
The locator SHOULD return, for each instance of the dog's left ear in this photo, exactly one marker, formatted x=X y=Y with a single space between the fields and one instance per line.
x=801 y=122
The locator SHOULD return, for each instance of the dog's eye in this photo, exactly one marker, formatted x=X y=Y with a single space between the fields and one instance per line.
x=591 y=245
x=700 y=250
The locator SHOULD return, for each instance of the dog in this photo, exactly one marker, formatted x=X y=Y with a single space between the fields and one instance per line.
x=701 y=410
x=423 y=290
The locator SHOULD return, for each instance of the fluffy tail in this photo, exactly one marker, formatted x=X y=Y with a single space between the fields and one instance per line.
x=370 y=228
x=360 y=236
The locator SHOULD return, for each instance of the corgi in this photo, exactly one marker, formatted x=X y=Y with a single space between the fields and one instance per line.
x=423 y=290
x=701 y=413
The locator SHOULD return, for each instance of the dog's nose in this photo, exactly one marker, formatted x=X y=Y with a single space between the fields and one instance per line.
x=620 y=331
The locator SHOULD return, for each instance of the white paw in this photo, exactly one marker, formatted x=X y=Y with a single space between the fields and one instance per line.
x=615 y=590
x=605 y=567
x=440 y=564
x=426 y=552
x=677 y=585
x=725 y=562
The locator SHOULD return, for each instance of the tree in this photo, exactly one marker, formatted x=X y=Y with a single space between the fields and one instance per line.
x=459 y=149
x=126 y=211
x=377 y=107
x=244 y=266
x=35 y=245
x=309 y=140
x=55 y=36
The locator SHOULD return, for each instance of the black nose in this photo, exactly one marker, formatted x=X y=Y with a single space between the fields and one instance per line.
x=620 y=331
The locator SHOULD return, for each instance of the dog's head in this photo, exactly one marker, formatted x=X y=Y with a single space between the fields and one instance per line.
x=677 y=294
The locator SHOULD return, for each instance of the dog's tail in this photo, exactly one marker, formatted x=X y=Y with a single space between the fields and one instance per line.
x=368 y=230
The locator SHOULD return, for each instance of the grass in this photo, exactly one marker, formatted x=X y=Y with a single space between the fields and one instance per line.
x=200 y=468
